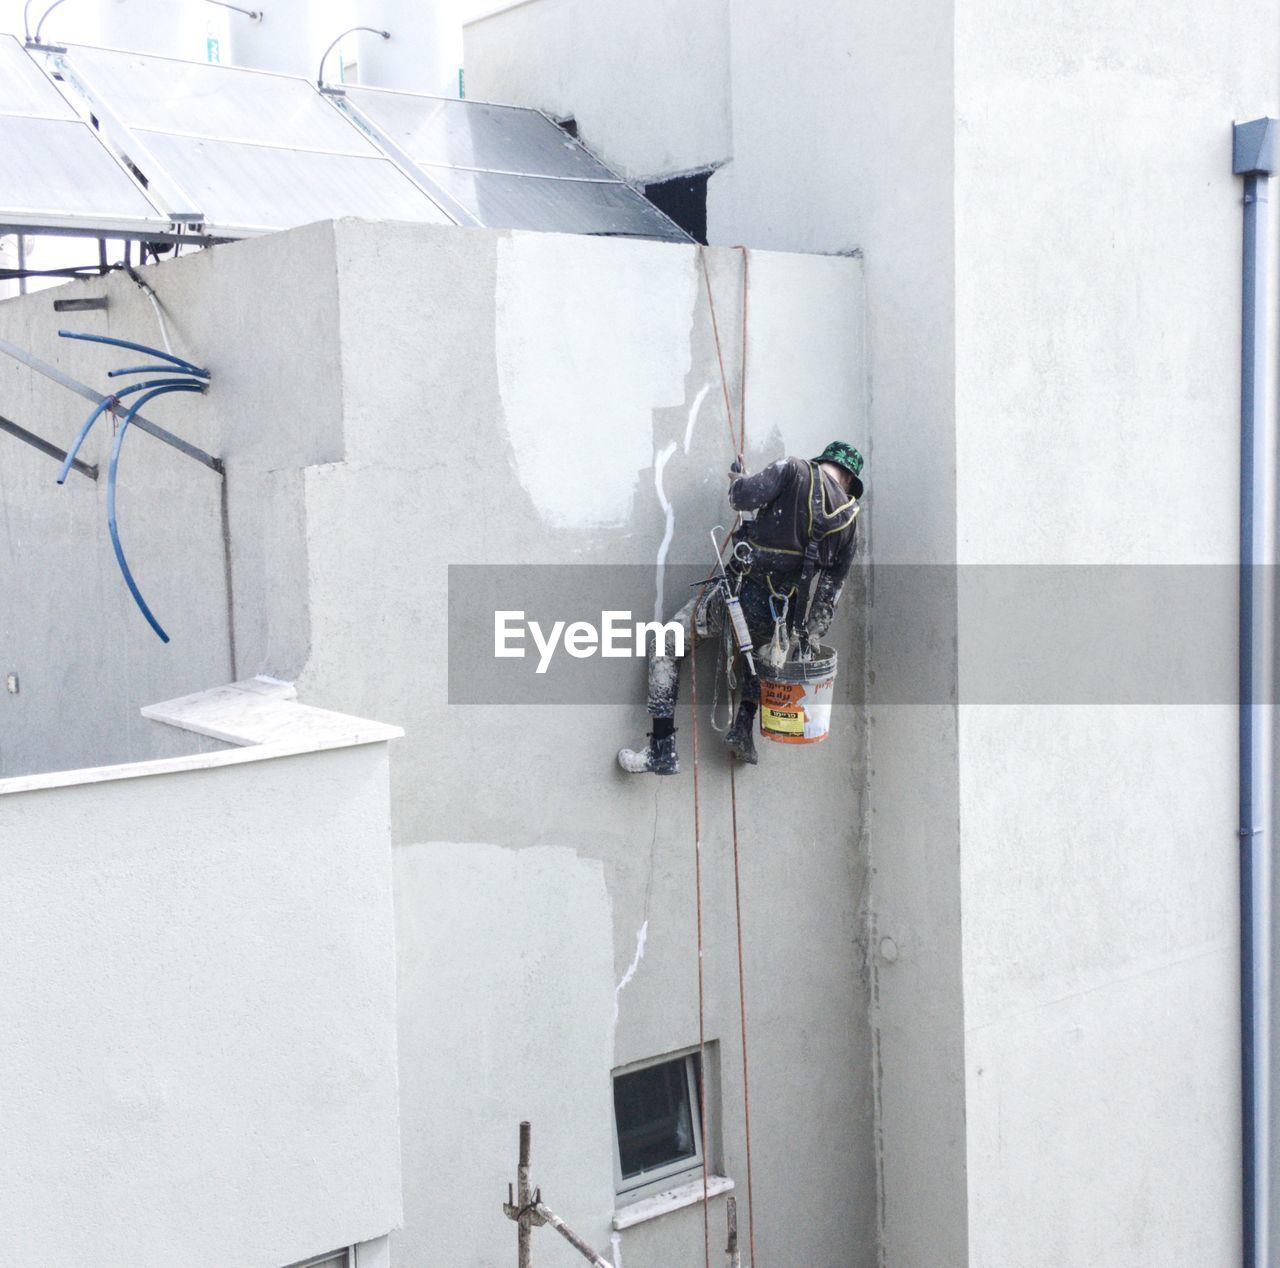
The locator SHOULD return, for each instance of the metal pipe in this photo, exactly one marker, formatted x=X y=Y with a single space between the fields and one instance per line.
x=254 y=15
x=373 y=30
x=1254 y=159
x=588 y=1252
x=186 y=366
x=112 y=470
x=523 y=1227
x=109 y=403
x=44 y=17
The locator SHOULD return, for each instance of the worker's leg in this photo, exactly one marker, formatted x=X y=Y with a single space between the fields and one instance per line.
x=659 y=757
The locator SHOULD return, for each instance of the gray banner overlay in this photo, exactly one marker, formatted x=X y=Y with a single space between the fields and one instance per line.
x=1052 y=634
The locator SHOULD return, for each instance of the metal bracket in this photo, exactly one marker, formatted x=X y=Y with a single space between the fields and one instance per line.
x=1253 y=147
x=38 y=442
x=94 y=304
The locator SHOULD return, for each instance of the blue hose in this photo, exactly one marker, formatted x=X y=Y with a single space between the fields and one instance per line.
x=176 y=386
x=105 y=404
x=159 y=369
x=138 y=347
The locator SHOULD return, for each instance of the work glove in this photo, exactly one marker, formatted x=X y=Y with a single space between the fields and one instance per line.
x=822 y=611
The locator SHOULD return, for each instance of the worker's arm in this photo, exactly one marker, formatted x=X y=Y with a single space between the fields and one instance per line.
x=826 y=593
x=749 y=493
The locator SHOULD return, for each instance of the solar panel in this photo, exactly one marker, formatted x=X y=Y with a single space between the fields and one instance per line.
x=222 y=152
x=509 y=166
x=501 y=201
x=255 y=151
x=25 y=89
x=57 y=174
x=476 y=134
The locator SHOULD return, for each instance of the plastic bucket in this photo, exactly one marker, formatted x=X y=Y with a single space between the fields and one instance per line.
x=795 y=699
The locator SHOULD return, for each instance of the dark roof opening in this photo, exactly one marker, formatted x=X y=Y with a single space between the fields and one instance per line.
x=684 y=199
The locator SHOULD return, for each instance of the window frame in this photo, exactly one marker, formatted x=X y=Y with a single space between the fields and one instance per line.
x=656 y=1179
x=327 y=1257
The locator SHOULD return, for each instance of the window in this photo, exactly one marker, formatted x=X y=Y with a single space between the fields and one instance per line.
x=334 y=1259
x=656 y=1117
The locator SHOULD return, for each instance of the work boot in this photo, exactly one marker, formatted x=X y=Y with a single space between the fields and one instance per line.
x=658 y=757
x=741 y=736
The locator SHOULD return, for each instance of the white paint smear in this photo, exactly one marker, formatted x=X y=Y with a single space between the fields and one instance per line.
x=641 y=938
x=659 y=466
x=592 y=335
x=693 y=415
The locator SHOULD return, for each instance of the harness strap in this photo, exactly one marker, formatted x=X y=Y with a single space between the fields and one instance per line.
x=810 y=564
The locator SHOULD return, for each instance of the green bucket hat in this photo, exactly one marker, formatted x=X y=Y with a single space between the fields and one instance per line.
x=846 y=456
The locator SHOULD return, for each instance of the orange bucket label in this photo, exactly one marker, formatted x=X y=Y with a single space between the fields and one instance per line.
x=790 y=713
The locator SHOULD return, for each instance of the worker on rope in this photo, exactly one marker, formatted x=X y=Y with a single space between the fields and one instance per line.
x=803 y=533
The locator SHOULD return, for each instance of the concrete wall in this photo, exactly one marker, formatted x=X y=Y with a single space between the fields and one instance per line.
x=1051 y=239
x=369 y=380
x=575 y=58
x=85 y=659
x=560 y=369
x=1098 y=390
x=198 y=971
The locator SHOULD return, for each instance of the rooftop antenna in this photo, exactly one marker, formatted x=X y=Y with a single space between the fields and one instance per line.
x=254 y=15
x=386 y=35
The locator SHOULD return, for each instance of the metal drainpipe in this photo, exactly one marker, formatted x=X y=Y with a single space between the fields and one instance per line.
x=1253 y=158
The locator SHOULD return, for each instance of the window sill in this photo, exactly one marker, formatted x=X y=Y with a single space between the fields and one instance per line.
x=669 y=1200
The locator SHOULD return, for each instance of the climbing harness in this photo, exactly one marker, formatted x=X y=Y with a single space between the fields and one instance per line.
x=733 y=605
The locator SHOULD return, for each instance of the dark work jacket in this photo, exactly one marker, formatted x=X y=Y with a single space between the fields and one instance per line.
x=796 y=500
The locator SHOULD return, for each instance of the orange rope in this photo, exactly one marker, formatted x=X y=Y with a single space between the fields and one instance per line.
x=742 y=1012
x=739 y=443
x=697 y=871
x=742 y=383
x=715 y=330
x=733 y=803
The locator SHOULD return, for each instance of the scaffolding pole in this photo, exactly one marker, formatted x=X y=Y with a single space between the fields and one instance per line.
x=528 y=1210
x=732 y=1256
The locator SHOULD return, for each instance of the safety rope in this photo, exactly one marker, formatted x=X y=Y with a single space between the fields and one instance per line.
x=733 y=802
x=738 y=442
x=715 y=331
x=697 y=872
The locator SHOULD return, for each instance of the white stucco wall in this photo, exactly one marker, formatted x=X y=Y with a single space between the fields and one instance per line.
x=85 y=659
x=199 y=975
x=369 y=380
x=1051 y=238
x=561 y=369
x=575 y=58
x=506 y=976
x=1098 y=346
x=840 y=133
